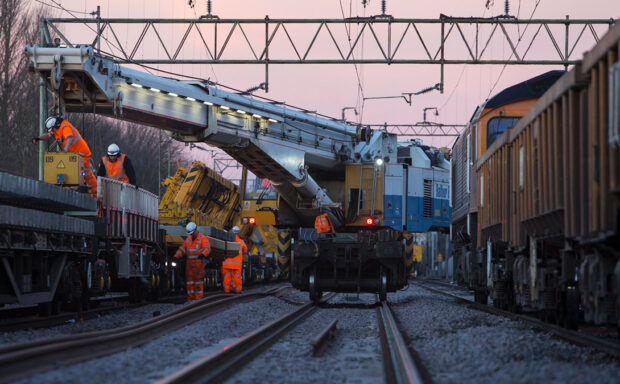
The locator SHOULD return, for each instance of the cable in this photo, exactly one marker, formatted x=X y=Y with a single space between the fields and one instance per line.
x=110 y=45
x=315 y=134
x=63 y=9
x=211 y=65
x=150 y=68
x=455 y=87
x=359 y=81
x=512 y=51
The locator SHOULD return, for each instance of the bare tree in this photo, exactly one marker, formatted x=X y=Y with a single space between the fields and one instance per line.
x=18 y=91
x=19 y=111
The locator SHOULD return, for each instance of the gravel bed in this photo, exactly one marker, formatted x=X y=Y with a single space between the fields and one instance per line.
x=171 y=352
x=458 y=344
x=119 y=318
x=353 y=356
x=110 y=320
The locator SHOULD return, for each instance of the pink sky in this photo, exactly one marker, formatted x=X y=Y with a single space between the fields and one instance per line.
x=328 y=88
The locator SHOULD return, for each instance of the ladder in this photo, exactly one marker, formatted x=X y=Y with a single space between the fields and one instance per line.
x=367 y=187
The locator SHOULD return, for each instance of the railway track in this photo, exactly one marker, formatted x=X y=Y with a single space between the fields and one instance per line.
x=399 y=364
x=36 y=322
x=398 y=360
x=575 y=337
x=24 y=359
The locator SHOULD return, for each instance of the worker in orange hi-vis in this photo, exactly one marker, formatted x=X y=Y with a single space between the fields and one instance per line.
x=196 y=248
x=323 y=224
x=231 y=267
x=117 y=166
x=70 y=140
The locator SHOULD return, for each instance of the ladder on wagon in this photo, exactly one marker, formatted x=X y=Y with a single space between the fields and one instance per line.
x=367 y=190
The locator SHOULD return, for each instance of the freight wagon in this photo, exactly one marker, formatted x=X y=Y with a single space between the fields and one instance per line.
x=60 y=247
x=549 y=206
x=488 y=122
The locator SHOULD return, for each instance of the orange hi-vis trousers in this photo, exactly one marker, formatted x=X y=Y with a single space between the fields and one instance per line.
x=232 y=280
x=194 y=279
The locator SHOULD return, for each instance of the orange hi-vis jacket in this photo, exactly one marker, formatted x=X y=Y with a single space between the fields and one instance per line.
x=323 y=225
x=194 y=248
x=115 y=169
x=61 y=135
x=67 y=130
x=236 y=262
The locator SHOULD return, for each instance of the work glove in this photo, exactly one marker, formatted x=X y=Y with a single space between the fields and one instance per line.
x=35 y=140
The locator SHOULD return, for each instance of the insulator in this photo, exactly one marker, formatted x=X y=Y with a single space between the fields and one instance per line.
x=383 y=7
x=208 y=7
x=507 y=7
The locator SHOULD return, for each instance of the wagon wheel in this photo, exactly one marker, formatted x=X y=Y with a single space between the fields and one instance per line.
x=382 y=284
x=313 y=289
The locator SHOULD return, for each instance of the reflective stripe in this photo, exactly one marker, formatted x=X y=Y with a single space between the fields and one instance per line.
x=233 y=262
x=236 y=274
x=121 y=161
x=193 y=257
x=76 y=135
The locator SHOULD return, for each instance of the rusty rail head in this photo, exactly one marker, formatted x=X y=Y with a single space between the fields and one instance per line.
x=320 y=342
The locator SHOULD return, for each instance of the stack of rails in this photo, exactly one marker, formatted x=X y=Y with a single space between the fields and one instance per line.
x=38 y=238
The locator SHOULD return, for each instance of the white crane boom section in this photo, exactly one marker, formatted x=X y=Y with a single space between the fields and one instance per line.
x=272 y=140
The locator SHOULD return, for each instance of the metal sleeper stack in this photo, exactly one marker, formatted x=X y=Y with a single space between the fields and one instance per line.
x=22 y=191
x=39 y=220
x=122 y=196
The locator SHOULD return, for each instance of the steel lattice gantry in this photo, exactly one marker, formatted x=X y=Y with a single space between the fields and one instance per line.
x=387 y=40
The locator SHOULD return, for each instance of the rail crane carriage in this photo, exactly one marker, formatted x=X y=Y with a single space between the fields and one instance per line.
x=375 y=190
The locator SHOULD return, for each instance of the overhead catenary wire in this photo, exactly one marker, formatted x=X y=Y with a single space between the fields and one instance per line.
x=512 y=51
x=110 y=45
x=150 y=68
x=357 y=72
x=64 y=9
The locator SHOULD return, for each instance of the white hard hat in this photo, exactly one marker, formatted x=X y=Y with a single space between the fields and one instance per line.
x=235 y=229
x=113 y=150
x=52 y=122
x=190 y=228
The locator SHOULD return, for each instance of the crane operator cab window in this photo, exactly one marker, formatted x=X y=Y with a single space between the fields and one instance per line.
x=498 y=125
x=257 y=188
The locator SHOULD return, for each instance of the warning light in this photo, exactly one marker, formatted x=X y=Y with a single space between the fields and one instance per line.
x=370 y=221
x=251 y=220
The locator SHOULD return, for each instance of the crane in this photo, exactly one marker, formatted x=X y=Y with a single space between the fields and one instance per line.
x=374 y=190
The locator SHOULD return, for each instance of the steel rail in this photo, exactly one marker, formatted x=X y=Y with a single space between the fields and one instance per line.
x=221 y=363
x=398 y=362
x=575 y=337
x=319 y=343
x=20 y=360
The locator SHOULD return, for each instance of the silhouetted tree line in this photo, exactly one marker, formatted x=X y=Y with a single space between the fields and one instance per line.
x=19 y=111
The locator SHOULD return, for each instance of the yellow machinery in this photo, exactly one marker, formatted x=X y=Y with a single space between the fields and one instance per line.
x=200 y=195
x=257 y=221
x=64 y=168
x=203 y=196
